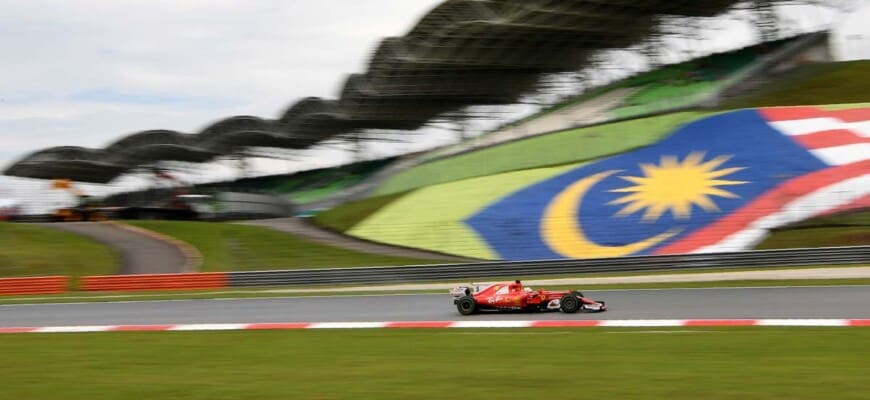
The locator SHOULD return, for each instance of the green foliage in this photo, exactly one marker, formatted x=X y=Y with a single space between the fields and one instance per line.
x=681 y=84
x=832 y=83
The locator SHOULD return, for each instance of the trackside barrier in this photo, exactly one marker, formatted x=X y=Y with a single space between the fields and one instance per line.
x=211 y=280
x=434 y=273
x=34 y=285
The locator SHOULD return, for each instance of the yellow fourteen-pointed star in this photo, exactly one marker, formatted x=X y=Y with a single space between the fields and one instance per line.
x=676 y=186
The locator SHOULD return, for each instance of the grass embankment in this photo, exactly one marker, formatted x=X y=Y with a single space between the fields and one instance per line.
x=613 y=363
x=570 y=146
x=817 y=237
x=346 y=216
x=830 y=83
x=848 y=229
x=231 y=247
x=433 y=217
x=30 y=250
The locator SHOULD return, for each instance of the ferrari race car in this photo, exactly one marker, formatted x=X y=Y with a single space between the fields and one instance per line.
x=514 y=296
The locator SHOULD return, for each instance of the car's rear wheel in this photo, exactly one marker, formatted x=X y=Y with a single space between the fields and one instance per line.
x=466 y=305
x=569 y=303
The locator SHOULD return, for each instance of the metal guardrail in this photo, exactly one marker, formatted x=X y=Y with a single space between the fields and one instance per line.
x=429 y=273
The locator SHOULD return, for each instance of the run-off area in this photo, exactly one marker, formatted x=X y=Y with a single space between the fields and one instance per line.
x=605 y=362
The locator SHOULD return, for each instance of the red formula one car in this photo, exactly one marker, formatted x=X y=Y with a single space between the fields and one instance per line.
x=514 y=296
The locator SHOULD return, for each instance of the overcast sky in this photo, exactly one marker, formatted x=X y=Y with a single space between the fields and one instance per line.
x=87 y=72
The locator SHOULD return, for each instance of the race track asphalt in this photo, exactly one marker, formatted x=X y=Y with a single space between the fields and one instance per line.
x=748 y=303
x=138 y=253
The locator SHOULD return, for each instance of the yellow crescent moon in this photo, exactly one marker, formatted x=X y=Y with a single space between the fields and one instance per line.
x=563 y=231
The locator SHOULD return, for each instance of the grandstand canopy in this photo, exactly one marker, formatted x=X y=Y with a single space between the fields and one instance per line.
x=461 y=53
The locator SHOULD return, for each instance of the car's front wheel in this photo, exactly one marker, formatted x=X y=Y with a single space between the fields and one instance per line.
x=466 y=305
x=569 y=303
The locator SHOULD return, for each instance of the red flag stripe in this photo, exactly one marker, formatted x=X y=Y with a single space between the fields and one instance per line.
x=769 y=202
x=792 y=113
x=775 y=114
x=852 y=115
x=832 y=138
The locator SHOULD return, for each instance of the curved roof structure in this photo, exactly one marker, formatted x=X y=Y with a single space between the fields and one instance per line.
x=463 y=52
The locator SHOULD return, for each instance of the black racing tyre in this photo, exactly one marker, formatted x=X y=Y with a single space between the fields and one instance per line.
x=466 y=305
x=569 y=303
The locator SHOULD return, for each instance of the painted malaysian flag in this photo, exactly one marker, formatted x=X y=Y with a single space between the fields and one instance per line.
x=717 y=184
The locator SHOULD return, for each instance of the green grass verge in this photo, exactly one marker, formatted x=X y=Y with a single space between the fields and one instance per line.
x=832 y=83
x=837 y=107
x=346 y=216
x=612 y=363
x=664 y=97
x=231 y=247
x=849 y=219
x=845 y=229
x=817 y=237
x=30 y=250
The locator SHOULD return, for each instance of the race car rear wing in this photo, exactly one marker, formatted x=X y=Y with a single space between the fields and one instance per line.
x=460 y=291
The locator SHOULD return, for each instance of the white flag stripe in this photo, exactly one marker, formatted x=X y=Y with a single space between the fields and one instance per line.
x=861 y=128
x=799 y=127
x=808 y=126
x=841 y=155
x=827 y=198
x=208 y=327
